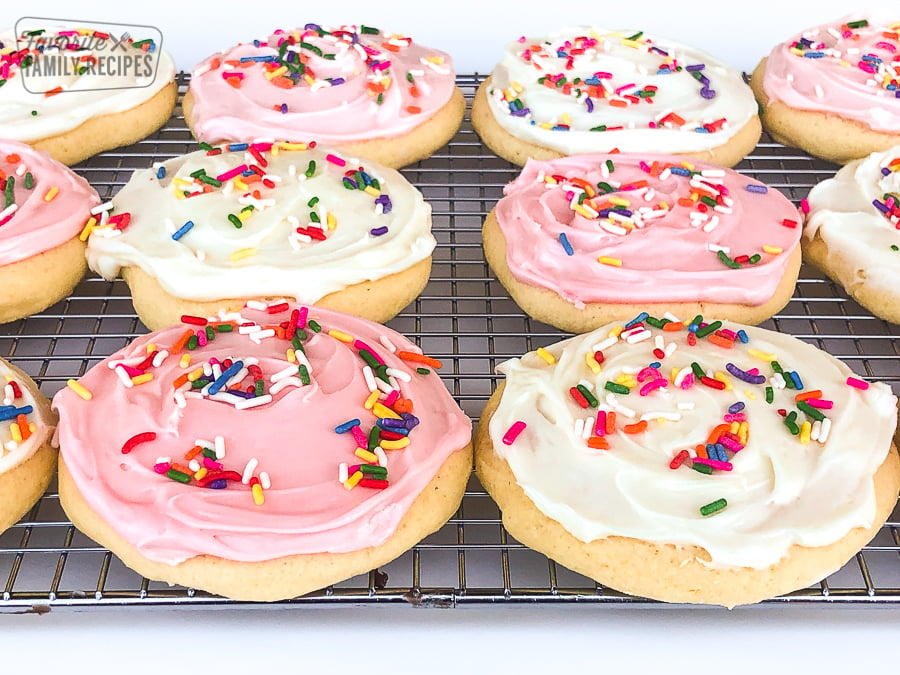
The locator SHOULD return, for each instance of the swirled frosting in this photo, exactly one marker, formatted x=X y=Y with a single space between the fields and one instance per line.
x=263 y=220
x=784 y=480
x=631 y=228
x=334 y=85
x=43 y=204
x=51 y=97
x=288 y=433
x=850 y=68
x=25 y=423
x=592 y=90
x=857 y=215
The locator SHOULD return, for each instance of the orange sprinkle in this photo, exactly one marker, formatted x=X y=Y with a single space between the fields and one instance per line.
x=413 y=109
x=215 y=63
x=721 y=341
x=684 y=201
x=618 y=103
x=181 y=342
x=53 y=92
x=234 y=82
x=716 y=432
x=23 y=427
x=182 y=468
x=180 y=380
x=283 y=82
x=414 y=91
x=402 y=405
x=13 y=158
x=193 y=452
x=635 y=428
x=673 y=326
x=701 y=452
x=389 y=47
x=420 y=358
x=610 y=422
x=803 y=396
x=598 y=443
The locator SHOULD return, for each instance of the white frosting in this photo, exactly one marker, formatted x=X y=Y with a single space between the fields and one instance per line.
x=844 y=216
x=13 y=453
x=84 y=96
x=211 y=261
x=628 y=64
x=780 y=492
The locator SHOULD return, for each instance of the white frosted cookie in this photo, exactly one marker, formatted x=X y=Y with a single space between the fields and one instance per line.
x=211 y=229
x=27 y=460
x=75 y=92
x=584 y=89
x=852 y=231
x=690 y=462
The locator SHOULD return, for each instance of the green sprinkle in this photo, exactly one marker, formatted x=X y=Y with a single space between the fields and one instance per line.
x=894 y=247
x=755 y=258
x=610 y=165
x=302 y=334
x=29 y=181
x=616 y=388
x=193 y=342
x=373 y=469
x=423 y=371
x=805 y=407
x=770 y=394
x=311 y=169
x=209 y=453
x=728 y=261
x=199 y=384
x=713 y=507
x=296 y=343
x=211 y=334
x=314 y=326
x=224 y=328
x=312 y=202
x=209 y=180
x=368 y=30
x=259 y=388
x=249 y=207
x=776 y=367
x=177 y=475
x=33 y=112
x=606 y=187
x=702 y=468
x=8 y=193
x=708 y=329
x=698 y=370
x=206 y=146
x=311 y=47
x=374 y=434
x=591 y=399
x=381 y=373
x=636 y=36
x=656 y=323
x=602 y=127
x=304 y=374
x=709 y=201
x=858 y=24
x=379 y=99
x=791 y=423
x=366 y=356
x=314 y=217
x=234 y=220
x=409 y=77
x=697 y=320
x=141 y=43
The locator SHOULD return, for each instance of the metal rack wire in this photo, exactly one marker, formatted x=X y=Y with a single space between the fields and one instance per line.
x=463 y=317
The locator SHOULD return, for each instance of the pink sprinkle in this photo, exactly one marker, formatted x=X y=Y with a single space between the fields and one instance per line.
x=730 y=443
x=867 y=67
x=201 y=338
x=820 y=403
x=359 y=344
x=211 y=463
x=625 y=87
x=737 y=417
x=261 y=147
x=859 y=384
x=600 y=426
x=648 y=372
x=730 y=334
x=602 y=75
x=714 y=463
x=334 y=159
x=804 y=206
x=655 y=384
x=391 y=398
x=753 y=371
x=162 y=467
x=132 y=372
x=231 y=73
x=359 y=436
x=228 y=175
x=886 y=45
x=513 y=432
x=384 y=65
x=688 y=381
x=301 y=318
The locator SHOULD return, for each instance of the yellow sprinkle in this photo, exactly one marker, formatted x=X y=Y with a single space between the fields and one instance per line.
x=292 y=146
x=735 y=427
x=201 y=472
x=373 y=397
x=619 y=201
x=743 y=432
x=796 y=51
x=688 y=166
x=142 y=379
x=384 y=411
x=275 y=73
x=774 y=250
x=566 y=120
x=583 y=211
x=79 y=389
x=674 y=374
x=545 y=125
x=242 y=253
x=664 y=205
x=274 y=150
x=634 y=44
x=722 y=377
x=51 y=194
x=763 y=356
x=592 y=363
x=331 y=221
x=195 y=375
x=180 y=194
x=614 y=262
x=309 y=79
x=15 y=432
x=749 y=394
x=258 y=497
x=185 y=360
x=244 y=214
x=517 y=87
x=399 y=444
x=362 y=453
x=291 y=356
x=151 y=347
x=616 y=331
x=438 y=60
x=88 y=228
x=550 y=180
x=181 y=182
x=547 y=356
x=32 y=427
x=805 y=431
x=239 y=184
x=340 y=335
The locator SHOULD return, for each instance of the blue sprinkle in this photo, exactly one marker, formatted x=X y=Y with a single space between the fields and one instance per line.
x=237 y=147
x=702 y=130
x=720 y=452
x=11 y=412
x=258 y=59
x=679 y=171
x=226 y=375
x=346 y=426
x=161 y=172
x=636 y=320
x=795 y=378
x=656 y=364
x=564 y=240
x=742 y=336
x=814 y=55
x=183 y=230
x=735 y=408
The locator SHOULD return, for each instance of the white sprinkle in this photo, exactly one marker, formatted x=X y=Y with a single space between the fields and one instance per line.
x=194 y=465
x=284 y=384
x=639 y=337
x=399 y=374
x=281 y=374
x=369 y=377
x=680 y=377
x=253 y=402
x=826 y=430
x=125 y=377
x=250 y=467
x=381 y=455
x=161 y=356
x=343 y=472
x=579 y=426
x=125 y=362
x=180 y=400
x=715 y=248
x=588 y=428
x=670 y=348
x=618 y=407
x=256 y=304
x=671 y=317
x=219 y=445
x=102 y=208
x=712 y=224
x=246 y=330
x=264 y=480
x=820 y=93
x=387 y=343
x=816 y=430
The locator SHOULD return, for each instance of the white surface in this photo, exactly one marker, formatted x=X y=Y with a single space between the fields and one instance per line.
x=472 y=31
x=507 y=640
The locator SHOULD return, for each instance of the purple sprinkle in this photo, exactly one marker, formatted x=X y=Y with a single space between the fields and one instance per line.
x=885 y=171
x=754 y=187
x=706 y=92
x=704 y=80
x=411 y=420
x=378 y=231
x=337 y=80
x=744 y=375
x=242 y=394
x=284 y=108
x=385 y=202
x=219 y=484
x=390 y=423
x=590 y=104
x=735 y=408
x=695 y=67
x=881 y=206
x=313 y=26
x=522 y=112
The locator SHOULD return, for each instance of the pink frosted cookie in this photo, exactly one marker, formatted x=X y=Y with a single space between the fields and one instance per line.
x=43 y=208
x=587 y=239
x=262 y=454
x=378 y=95
x=834 y=90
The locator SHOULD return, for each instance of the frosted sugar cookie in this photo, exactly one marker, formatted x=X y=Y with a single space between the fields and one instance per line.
x=833 y=90
x=586 y=90
x=238 y=470
x=366 y=92
x=75 y=92
x=214 y=228
x=587 y=239
x=734 y=464
x=852 y=231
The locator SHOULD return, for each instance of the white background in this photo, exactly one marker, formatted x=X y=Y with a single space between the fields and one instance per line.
x=401 y=639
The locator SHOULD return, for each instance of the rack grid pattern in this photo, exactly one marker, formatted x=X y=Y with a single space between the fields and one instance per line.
x=465 y=318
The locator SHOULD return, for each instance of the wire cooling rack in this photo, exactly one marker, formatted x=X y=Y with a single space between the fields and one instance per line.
x=465 y=318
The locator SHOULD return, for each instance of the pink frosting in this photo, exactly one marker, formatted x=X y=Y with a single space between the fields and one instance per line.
x=306 y=509
x=853 y=72
x=663 y=259
x=38 y=225
x=335 y=101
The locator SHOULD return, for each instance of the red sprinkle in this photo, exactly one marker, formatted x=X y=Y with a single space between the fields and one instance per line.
x=679 y=459
x=193 y=320
x=137 y=439
x=579 y=397
x=712 y=383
